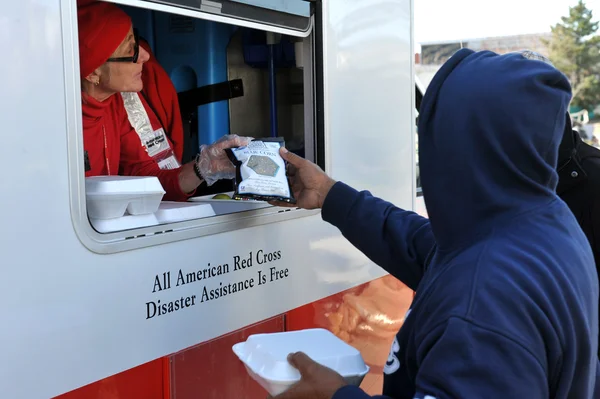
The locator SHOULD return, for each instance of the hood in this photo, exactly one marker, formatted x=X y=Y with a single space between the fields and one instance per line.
x=489 y=130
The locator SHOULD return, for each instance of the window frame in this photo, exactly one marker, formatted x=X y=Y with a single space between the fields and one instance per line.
x=115 y=242
x=245 y=12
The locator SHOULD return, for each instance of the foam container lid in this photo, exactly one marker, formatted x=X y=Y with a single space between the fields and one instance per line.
x=122 y=185
x=127 y=222
x=266 y=354
x=225 y=206
x=172 y=212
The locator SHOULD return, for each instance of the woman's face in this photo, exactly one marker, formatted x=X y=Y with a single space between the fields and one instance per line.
x=123 y=70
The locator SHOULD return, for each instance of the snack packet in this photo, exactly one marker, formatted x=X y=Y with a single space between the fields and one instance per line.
x=260 y=171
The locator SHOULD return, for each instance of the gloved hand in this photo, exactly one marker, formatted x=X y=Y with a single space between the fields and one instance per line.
x=213 y=162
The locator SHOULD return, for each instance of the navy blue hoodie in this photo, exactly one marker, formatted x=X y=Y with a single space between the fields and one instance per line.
x=506 y=299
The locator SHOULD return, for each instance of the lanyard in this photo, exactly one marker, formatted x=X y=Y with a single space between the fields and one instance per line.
x=106 y=151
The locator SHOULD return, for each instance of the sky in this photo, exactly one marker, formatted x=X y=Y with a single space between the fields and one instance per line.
x=440 y=20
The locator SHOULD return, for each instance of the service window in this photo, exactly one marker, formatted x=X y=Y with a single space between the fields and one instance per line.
x=240 y=67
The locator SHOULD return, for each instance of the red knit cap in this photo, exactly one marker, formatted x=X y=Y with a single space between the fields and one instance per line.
x=102 y=29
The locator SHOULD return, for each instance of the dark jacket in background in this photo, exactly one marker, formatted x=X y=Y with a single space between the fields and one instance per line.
x=579 y=185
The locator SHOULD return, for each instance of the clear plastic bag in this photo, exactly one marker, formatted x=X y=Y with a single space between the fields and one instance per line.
x=260 y=171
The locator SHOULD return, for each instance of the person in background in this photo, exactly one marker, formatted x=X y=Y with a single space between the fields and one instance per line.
x=506 y=301
x=579 y=184
x=122 y=133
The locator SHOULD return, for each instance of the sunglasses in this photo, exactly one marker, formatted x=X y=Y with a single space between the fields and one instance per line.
x=136 y=51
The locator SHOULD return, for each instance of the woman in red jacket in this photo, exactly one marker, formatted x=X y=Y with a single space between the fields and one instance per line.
x=122 y=133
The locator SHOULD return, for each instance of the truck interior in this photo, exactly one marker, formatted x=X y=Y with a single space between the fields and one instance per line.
x=419 y=92
x=232 y=79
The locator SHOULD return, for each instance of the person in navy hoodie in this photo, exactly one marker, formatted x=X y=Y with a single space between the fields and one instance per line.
x=506 y=299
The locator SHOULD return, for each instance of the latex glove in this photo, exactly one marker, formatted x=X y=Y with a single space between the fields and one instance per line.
x=213 y=162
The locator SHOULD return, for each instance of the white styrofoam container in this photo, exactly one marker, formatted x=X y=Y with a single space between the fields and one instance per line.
x=224 y=206
x=109 y=197
x=123 y=223
x=173 y=212
x=265 y=357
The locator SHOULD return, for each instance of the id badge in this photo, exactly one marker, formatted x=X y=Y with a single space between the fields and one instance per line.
x=159 y=149
x=156 y=142
x=169 y=163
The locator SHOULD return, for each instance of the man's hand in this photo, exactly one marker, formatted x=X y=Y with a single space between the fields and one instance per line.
x=318 y=382
x=309 y=183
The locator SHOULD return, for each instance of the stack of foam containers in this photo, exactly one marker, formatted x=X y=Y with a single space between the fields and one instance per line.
x=117 y=203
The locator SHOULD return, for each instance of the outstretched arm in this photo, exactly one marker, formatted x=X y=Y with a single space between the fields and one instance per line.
x=395 y=239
